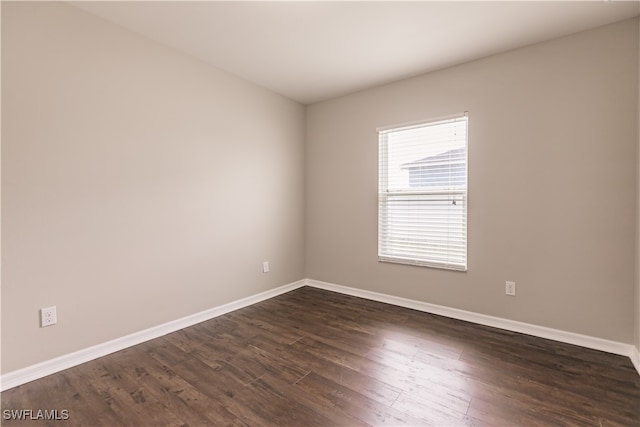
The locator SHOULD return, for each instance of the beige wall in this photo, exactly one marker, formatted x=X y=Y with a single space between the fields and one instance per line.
x=138 y=185
x=637 y=259
x=552 y=178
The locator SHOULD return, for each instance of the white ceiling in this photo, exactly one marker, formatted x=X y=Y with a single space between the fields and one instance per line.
x=312 y=51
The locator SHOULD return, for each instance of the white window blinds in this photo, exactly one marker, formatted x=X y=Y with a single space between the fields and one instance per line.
x=422 y=198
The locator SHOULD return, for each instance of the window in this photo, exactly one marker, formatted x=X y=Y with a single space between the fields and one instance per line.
x=422 y=197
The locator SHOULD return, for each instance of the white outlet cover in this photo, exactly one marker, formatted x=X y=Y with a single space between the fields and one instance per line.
x=48 y=316
x=265 y=267
x=510 y=288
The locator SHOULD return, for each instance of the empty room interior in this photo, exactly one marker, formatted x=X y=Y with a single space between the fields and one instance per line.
x=320 y=213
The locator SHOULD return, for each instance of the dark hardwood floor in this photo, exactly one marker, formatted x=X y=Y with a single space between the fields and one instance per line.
x=317 y=358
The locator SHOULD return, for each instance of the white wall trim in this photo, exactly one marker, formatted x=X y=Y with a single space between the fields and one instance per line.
x=48 y=367
x=635 y=358
x=496 y=322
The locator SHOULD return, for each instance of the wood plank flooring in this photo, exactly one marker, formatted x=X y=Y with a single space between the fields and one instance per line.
x=316 y=358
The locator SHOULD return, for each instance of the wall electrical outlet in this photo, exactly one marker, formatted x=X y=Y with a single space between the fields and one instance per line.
x=265 y=267
x=510 y=288
x=48 y=316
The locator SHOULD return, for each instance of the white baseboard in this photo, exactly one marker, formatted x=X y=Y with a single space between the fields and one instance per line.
x=635 y=358
x=34 y=372
x=48 y=367
x=496 y=322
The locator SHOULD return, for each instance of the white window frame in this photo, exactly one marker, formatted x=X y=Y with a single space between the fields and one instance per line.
x=454 y=256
